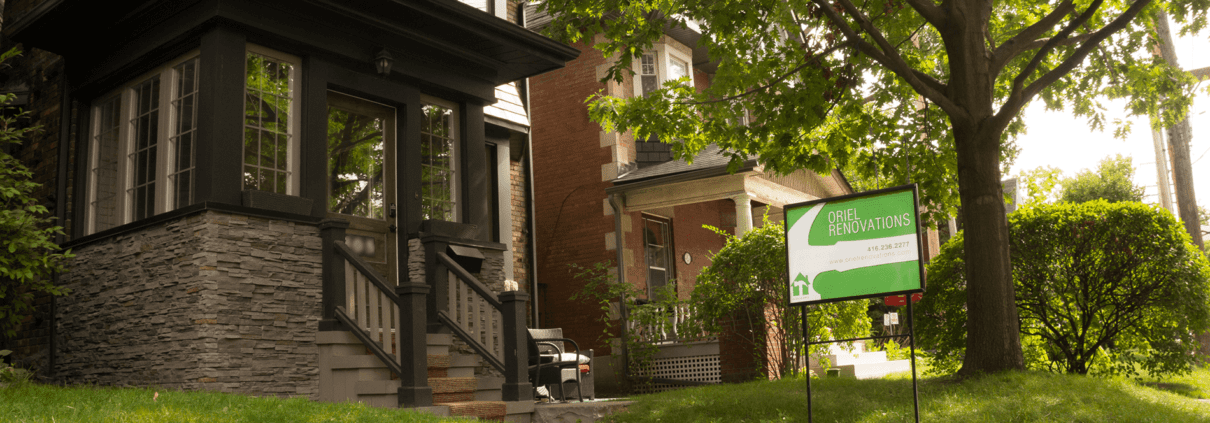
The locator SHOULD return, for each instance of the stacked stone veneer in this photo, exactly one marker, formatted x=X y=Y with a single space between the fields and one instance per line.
x=213 y=301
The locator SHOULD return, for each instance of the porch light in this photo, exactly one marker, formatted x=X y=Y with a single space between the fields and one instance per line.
x=383 y=62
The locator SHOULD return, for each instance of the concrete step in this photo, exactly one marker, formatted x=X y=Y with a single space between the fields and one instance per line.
x=489 y=389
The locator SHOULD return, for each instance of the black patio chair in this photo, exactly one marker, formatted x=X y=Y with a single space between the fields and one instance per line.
x=550 y=364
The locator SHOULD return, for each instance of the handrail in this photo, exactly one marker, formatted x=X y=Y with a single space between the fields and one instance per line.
x=470 y=279
x=479 y=348
x=369 y=343
x=371 y=274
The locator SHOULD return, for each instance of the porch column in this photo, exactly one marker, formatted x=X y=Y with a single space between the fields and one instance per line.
x=743 y=214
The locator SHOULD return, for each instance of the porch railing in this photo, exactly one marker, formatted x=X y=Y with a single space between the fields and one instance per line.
x=671 y=331
x=387 y=319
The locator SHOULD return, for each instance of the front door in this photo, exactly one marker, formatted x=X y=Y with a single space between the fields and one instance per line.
x=361 y=178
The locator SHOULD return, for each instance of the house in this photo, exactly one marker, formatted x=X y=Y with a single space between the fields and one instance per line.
x=608 y=197
x=255 y=190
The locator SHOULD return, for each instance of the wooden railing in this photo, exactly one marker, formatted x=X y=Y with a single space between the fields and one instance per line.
x=388 y=318
x=474 y=312
x=670 y=331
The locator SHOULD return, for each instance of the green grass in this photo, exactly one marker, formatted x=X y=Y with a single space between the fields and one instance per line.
x=1011 y=397
x=1195 y=385
x=42 y=403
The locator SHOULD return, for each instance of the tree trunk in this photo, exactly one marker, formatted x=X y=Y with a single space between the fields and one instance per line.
x=1179 y=135
x=993 y=341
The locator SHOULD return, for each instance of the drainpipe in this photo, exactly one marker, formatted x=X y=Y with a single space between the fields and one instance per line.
x=616 y=203
x=528 y=154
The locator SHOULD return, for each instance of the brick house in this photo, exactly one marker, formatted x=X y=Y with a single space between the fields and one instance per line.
x=607 y=197
x=253 y=189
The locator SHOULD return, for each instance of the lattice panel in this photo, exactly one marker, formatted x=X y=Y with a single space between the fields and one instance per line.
x=697 y=368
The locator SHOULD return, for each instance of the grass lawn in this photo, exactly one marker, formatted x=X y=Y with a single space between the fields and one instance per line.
x=42 y=403
x=1013 y=397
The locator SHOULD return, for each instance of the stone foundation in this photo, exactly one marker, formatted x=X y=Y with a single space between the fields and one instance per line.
x=213 y=300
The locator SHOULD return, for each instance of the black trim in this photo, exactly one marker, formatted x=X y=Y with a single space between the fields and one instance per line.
x=187 y=211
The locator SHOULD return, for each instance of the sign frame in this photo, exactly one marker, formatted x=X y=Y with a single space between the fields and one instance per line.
x=916 y=228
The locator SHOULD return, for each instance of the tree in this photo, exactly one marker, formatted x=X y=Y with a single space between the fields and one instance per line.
x=28 y=254
x=1113 y=181
x=1102 y=288
x=901 y=87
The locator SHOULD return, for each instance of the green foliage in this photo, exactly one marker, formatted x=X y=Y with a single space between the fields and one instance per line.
x=1041 y=185
x=1113 y=181
x=28 y=254
x=646 y=320
x=12 y=375
x=1101 y=288
x=747 y=281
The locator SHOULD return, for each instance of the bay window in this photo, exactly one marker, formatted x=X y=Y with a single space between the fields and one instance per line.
x=141 y=147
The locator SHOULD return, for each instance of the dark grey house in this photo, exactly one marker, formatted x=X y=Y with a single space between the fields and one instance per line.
x=256 y=189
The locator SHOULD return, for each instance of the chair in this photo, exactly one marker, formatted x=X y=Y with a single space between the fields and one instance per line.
x=551 y=364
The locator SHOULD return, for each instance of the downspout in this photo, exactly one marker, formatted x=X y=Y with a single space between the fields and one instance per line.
x=531 y=264
x=61 y=187
x=616 y=203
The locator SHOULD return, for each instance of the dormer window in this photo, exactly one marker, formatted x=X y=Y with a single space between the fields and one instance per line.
x=666 y=62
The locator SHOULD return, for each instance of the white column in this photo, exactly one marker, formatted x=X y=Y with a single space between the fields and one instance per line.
x=743 y=214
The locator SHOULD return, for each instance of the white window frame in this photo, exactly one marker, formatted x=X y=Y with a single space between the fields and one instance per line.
x=455 y=155
x=166 y=124
x=293 y=155
x=664 y=55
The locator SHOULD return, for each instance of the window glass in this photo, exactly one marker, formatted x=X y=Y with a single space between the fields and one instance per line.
x=184 y=106
x=677 y=69
x=141 y=149
x=145 y=127
x=268 y=101
x=106 y=151
x=438 y=162
x=658 y=246
x=649 y=78
x=355 y=163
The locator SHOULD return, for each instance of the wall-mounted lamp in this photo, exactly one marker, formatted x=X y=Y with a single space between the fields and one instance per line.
x=383 y=62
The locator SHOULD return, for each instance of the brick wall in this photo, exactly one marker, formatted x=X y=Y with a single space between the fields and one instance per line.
x=209 y=301
x=569 y=191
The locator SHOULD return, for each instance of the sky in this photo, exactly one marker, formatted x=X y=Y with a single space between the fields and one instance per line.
x=1058 y=139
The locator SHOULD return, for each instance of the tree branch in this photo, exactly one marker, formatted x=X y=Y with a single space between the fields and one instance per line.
x=1018 y=96
x=932 y=13
x=923 y=83
x=1017 y=44
x=781 y=78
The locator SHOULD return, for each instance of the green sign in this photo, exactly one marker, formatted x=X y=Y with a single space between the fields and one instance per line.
x=855 y=246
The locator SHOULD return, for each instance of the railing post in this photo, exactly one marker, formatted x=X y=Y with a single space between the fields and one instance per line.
x=516 y=348
x=413 y=346
x=437 y=277
x=330 y=231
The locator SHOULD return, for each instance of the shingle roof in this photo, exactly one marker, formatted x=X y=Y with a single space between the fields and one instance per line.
x=710 y=158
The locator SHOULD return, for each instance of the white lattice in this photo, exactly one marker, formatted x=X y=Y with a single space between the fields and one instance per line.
x=697 y=368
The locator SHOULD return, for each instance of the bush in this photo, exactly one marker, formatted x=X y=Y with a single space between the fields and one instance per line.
x=28 y=256
x=748 y=275
x=1100 y=288
x=10 y=375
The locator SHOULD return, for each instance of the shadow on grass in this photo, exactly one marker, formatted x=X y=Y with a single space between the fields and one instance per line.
x=1183 y=389
x=1023 y=397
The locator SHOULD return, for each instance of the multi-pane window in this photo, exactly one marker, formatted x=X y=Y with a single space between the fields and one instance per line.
x=141 y=147
x=648 y=76
x=184 y=105
x=269 y=126
x=438 y=160
x=657 y=240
